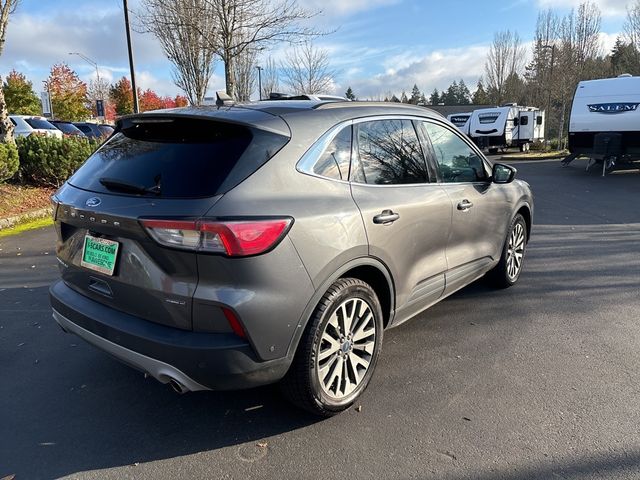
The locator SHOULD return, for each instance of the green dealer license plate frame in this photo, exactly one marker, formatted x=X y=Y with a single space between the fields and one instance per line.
x=99 y=254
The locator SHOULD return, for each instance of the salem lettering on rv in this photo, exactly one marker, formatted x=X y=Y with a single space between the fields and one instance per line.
x=613 y=107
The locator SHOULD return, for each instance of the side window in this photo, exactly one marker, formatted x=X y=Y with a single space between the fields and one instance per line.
x=456 y=160
x=334 y=161
x=389 y=153
x=539 y=120
x=524 y=120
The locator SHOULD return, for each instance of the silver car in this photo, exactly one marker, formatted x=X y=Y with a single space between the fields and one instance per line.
x=225 y=248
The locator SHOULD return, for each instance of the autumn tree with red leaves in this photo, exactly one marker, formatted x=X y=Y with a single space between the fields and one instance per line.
x=149 y=100
x=121 y=96
x=69 y=99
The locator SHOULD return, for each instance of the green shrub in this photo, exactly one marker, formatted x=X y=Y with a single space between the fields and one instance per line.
x=9 y=161
x=50 y=161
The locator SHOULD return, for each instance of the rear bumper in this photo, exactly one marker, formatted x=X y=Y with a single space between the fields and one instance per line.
x=196 y=361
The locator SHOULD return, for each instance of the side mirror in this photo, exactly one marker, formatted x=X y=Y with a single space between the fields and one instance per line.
x=502 y=173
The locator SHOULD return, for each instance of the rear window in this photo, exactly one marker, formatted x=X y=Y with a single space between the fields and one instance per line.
x=40 y=124
x=179 y=158
x=105 y=130
x=67 y=128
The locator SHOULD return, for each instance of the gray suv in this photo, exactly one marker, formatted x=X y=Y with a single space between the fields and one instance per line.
x=226 y=248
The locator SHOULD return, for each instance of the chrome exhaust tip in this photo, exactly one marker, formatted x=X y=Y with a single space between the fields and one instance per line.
x=177 y=386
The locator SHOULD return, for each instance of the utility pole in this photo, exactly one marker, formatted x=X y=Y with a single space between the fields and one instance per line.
x=259 y=82
x=136 y=107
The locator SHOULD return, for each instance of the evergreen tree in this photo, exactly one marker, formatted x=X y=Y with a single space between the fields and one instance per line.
x=68 y=94
x=434 y=98
x=464 y=95
x=395 y=99
x=403 y=98
x=480 y=95
x=451 y=95
x=623 y=59
x=19 y=95
x=415 y=95
x=349 y=94
x=423 y=100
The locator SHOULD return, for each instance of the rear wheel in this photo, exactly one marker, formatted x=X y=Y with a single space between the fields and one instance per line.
x=338 y=351
x=507 y=272
x=493 y=151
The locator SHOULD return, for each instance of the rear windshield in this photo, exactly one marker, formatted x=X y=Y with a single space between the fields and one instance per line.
x=105 y=130
x=40 y=124
x=67 y=128
x=178 y=158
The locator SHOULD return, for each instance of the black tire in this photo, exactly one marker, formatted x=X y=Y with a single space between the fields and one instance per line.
x=493 y=151
x=302 y=385
x=502 y=274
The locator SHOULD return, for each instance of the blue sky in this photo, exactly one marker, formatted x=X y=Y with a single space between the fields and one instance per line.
x=379 y=47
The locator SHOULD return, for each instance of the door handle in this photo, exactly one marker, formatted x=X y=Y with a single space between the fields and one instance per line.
x=387 y=217
x=465 y=205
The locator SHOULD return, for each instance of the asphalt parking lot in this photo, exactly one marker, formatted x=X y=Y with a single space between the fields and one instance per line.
x=537 y=381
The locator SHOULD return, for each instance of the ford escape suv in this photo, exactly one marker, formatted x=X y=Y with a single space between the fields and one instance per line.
x=231 y=247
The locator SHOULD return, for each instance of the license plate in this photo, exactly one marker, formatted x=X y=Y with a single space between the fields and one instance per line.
x=99 y=254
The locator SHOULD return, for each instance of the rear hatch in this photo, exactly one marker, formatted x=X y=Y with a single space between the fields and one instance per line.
x=169 y=167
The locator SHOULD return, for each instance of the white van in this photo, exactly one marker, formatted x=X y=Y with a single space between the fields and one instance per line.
x=461 y=120
x=605 y=119
x=507 y=126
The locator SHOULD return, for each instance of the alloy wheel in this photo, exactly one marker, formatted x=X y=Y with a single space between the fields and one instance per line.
x=515 y=250
x=346 y=348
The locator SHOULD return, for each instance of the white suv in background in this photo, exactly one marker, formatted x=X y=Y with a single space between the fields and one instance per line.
x=25 y=125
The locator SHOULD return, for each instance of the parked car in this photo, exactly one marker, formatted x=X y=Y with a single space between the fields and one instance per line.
x=25 y=125
x=94 y=130
x=67 y=128
x=276 y=241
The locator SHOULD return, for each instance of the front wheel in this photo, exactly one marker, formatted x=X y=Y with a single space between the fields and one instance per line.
x=338 y=351
x=507 y=271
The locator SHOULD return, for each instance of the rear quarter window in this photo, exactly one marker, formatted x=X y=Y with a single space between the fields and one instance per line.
x=185 y=158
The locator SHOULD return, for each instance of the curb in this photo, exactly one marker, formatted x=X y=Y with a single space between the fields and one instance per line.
x=23 y=217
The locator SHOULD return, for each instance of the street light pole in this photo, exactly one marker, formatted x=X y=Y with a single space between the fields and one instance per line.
x=136 y=107
x=95 y=65
x=259 y=82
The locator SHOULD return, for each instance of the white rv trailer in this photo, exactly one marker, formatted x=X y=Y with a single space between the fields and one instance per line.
x=506 y=126
x=605 y=121
x=461 y=120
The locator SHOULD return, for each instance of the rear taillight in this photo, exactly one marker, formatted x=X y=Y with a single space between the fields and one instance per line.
x=237 y=238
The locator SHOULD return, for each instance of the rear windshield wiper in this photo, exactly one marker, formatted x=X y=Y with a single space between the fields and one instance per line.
x=122 y=186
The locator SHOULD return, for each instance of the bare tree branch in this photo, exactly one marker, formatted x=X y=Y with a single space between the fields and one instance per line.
x=185 y=30
x=505 y=59
x=306 y=70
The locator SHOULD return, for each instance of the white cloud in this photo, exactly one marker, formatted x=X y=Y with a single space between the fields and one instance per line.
x=437 y=69
x=333 y=8
x=609 y=8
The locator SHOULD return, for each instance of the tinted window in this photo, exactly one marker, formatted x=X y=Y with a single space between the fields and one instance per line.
x=40 y=124
x=69 y=128
x=457 y=161
x=84 y=129
x=105 y=130
x=488 y=117
x=539 y=120
x=524 y=120
x=185 y=158
x=334 y=161
x=389 y=153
